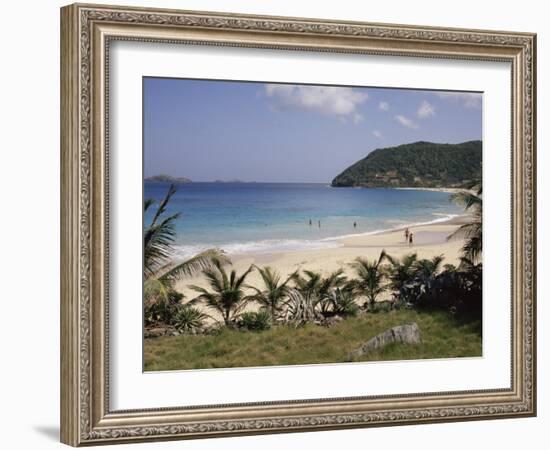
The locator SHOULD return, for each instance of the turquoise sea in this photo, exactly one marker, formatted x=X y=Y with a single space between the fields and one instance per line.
x=275 y=217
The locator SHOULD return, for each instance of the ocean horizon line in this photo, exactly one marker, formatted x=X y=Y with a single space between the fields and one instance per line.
x=327 y=184
x=146 y=180
x=238 y=182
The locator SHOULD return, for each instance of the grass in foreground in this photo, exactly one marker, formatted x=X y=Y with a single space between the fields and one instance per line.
x=442 y=337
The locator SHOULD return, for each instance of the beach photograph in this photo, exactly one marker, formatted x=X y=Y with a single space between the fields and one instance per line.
x=294 y=224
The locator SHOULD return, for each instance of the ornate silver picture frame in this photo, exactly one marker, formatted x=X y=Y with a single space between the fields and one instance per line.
x=87 y=32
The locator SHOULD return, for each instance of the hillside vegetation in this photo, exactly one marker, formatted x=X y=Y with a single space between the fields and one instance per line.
x=420 y=164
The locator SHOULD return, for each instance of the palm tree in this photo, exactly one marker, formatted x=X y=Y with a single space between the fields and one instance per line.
x=341 y=301
x=227 y=295
x=309 y=283
x=158 y=241
x=467 y=265
x=310 y=299
x=401 y=270
x=428 y=268
x=160 y=299
x=275 y=292
x=159 y=235
x=370 y=278
x=160 y=302
x=471 y=231
x=327 y=285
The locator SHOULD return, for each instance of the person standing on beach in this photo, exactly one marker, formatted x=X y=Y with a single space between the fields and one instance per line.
x=354 y=224
x=410 y=239
x=406 y=235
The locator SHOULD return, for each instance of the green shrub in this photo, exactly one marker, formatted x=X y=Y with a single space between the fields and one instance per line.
x=188 y=318
x=161 y=303
x=380 y=307
x=456 y=290
x=340 y=301
x=256 y=321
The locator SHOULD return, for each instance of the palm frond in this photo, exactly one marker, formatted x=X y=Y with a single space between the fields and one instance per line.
x=370 y=278
x=467 y=230
x=472 y=248
x=428 y=268
x=471 y=232
x=274 y=293
x=240 y=280
x=227 y=294
x=215 y=279
x=155 y=291
x=162 y=206
x=467 y=199
x=157 y=244
x=190 y=267
x=147 y=204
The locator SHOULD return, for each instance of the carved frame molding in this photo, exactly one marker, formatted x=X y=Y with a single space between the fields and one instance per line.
x=86 y=32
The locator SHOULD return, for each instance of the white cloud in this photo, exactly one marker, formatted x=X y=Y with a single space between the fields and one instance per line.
x=383 y=106
x=377 y=134
x=322 y=99
x=468 y=99
x=358 y=118
x=406 y=122
x=426 y=109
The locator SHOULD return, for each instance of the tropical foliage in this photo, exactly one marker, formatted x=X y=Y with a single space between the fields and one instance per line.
x=302 y=307
x=160 y=302
x=256 y=321
x=400 y=271
x=273 y=296
x=370 y=278
x=158 y=241
x=226 y=294
x=342 y=302
x=187 y=318
x=306 y=296
x=423 y=164
x=472 y=231
x=454 y=289
x=159 y=273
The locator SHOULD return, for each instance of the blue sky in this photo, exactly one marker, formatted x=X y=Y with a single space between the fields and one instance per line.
x=210 y=130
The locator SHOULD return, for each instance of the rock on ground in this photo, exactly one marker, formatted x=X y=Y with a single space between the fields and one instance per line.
x=406 y=334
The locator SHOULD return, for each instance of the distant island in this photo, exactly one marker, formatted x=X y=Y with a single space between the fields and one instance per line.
x=420 y=164
x=163 y=178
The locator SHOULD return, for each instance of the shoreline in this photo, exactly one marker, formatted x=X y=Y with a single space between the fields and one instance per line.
x=449 y=190
x=429 y=240
x=315 y=244
x=442 y=189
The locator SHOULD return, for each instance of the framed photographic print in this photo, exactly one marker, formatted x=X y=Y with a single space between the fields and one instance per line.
x=276 y=225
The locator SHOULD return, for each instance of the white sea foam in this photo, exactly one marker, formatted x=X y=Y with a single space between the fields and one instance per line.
x=256 y=247
x=287 y=245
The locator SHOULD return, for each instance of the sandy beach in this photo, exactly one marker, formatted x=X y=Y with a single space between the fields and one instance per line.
x=429 y=240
